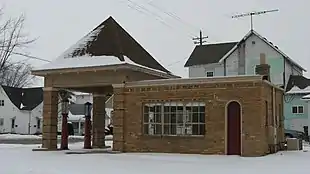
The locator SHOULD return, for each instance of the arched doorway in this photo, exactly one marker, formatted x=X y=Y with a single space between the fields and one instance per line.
x=233 y=128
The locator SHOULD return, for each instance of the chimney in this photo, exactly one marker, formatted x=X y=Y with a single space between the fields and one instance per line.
x=263 y=68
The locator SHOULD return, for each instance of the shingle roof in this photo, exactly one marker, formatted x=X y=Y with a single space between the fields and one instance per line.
x=24 y=98
x=110 y=39
x=210 y=53
x=297 y=80
x=77 y=109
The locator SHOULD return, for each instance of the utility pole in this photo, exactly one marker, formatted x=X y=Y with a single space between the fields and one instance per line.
x=200 y=39
x=251 y=14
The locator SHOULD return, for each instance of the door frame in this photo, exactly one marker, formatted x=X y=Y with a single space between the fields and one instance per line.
x=226 y=126
x=13 y=128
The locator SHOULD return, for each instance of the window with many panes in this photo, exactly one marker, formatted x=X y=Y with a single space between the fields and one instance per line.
x=209 y=74
x=1 y=102
x=174 y=118
x=298 y=109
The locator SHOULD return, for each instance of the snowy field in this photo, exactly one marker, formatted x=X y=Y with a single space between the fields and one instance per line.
x=36 y=139
x=20 y=159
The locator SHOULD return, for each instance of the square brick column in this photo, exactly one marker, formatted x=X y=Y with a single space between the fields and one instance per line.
x=118 y=118
x=50 y=114
x=99 y=115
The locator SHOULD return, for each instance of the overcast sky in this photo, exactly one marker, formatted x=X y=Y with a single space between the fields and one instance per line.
x=60 y=23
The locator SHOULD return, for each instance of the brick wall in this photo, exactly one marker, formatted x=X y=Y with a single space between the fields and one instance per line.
x=275 y=118
x=128 y=102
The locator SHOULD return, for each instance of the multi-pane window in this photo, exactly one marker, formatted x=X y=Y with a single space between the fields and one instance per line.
x=209 y=73
x=1 y=102
x=298 y=109
x=171 y=118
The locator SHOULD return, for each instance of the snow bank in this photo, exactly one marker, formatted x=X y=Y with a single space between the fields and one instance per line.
x=17 y=136
x=38 y=137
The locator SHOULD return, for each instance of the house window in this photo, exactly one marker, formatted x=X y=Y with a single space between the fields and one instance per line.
x=173 y=118
x=1 y=121
x=298 y=109
x=1 y=102
x=209 y=74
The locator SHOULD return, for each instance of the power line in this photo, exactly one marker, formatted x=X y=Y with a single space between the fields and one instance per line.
x=251 y=14
x=173 y=15
x=31 y=57
x=26 y=55
x=142 y=9
x=173 y=63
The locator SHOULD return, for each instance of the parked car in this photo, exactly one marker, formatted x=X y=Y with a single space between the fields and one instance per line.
x=294 y=134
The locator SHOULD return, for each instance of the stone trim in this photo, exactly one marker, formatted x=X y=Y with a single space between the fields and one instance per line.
x=50 y=89
x=120 y=85
x=183 y=81
x=273 y=85
x=191 y=86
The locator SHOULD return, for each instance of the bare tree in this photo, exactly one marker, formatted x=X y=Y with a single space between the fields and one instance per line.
x=14 y=42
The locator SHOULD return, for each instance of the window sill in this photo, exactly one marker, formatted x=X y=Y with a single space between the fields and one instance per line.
x=174 y=136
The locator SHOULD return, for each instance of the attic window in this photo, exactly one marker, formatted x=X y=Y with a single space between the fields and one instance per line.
x=253 y=42
x=1 y=102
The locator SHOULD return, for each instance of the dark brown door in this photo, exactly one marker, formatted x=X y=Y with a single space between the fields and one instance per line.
x=233 y=129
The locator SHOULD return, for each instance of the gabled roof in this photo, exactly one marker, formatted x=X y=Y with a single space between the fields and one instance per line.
x=77 y=109
x=24 y=98
x=249 y=34
x=110 y=44
x=210 y=53
x=298 y=81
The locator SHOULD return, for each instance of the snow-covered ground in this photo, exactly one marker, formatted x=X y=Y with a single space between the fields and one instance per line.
x=17 y=136
x=35 y=137
x=19 y=159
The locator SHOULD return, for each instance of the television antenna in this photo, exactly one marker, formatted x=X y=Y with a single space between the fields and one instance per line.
x=251 y=14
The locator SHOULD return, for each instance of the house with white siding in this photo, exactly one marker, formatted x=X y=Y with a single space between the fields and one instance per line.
x=21 y=110
x=76 y=115
x=240 y=58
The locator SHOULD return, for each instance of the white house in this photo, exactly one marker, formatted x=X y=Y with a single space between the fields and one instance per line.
x=240 y=58
x=76 y=114
x=21 y=110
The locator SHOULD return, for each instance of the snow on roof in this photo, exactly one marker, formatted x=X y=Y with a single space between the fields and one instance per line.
x=75 y=117
x=297 y=90
x=81 y=93
x=306 y=97
x=89 y=61
x=81 y=43
x=267 y=42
